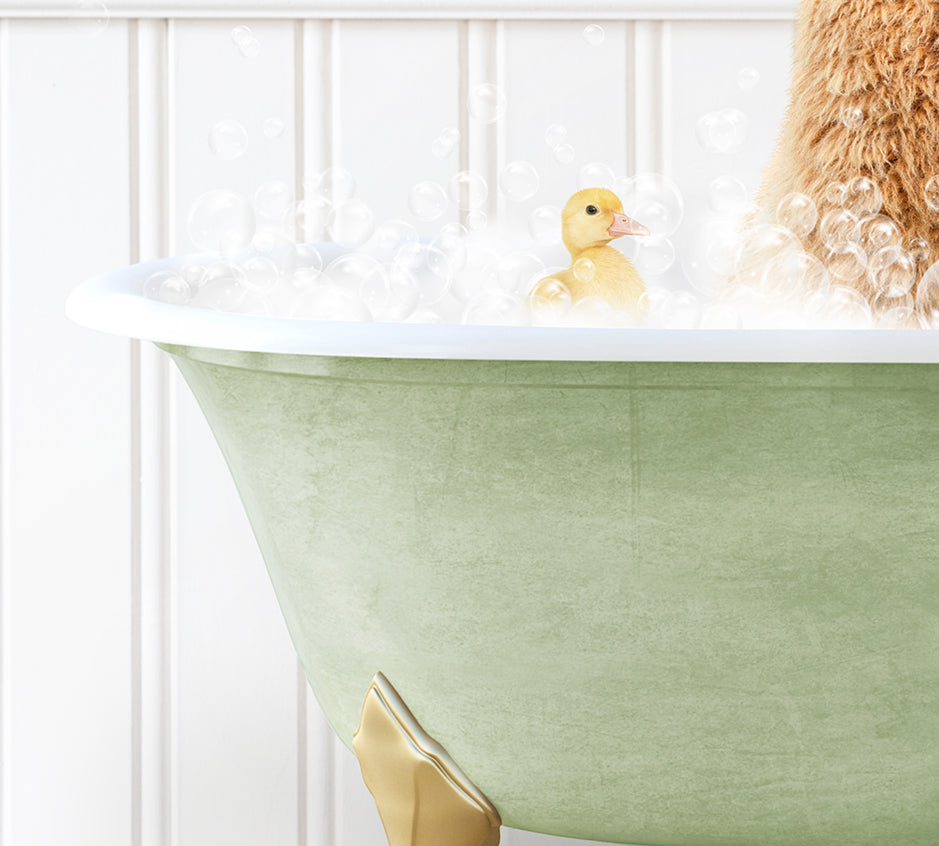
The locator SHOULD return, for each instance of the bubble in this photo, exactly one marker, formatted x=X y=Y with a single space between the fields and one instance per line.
x=167 y=286
x=424 y=315
x=845 y=308
x=430 y=266
x=544 y=224
x=720 y=316
x=519 y=181
x=337 y=185
x=427 y=200
x=656 y=255
x=468 y=190
x=839 y=227
x=564 y=153
x=584 y=270
x=549 y=300
x=654 y=200
x=797 y=213
x=596 y=175
x=351 y=222
x=793 y=273
x=684 y=311
x=228 y=140
x=927 y=296
x=273 y=127
x=477 y=220
x=852 y=116
x=388 y=238
x=349 y=269
x=271 y=242
x=847 y=262
x=272 y=199
x=554 y=135
x=593 y=34
x=260 y=274
x=221 y=221
x=390 y=294
x=329 y=301
x=93 y=19
x=446 y=142
x=246 y=41
x=306 y=219
x=590 y=311
x=748 y=78
x=727 y=195
x=451 y=241
x=862 y=197
x=306 y=278
x=309 y=257
x=835 y=193
x=931 y=193
x=898 y=317
x=891 y=271
x=877 y=232
x=709 y=259
x=223 y=288
x=722 y=131
x=918 y=248
x=194 y=274
x=760 y=246
x=497 y=308
x=487 y=103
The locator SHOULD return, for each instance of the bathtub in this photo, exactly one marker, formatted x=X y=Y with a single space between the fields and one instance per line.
x=646 y=587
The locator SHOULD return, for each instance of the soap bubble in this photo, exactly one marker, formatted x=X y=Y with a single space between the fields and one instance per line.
x=898 y=317
x=223 y=288
x=593 y=34
x=748 y=78
x=918 y=248
x=862 y=197
x=798 y=213
x=656 y=255
x=389 y=294
x=468 y=190
x=306 y=219
x=445 y=143
x=845 y=308
x=246 y=41
x=564 y=153
x=228 y=139
x=793 y=273
x=515 y=272
x=329 y=301
x=221 y=221
x=727 y=195
x=555 y=134
x=451 y=241
x=486 y=103
x=761 y=245
x=590 y=311
x=839 y=227
x=272 y=199
x=847 y=262
x=549 y=301
x=835 y=193
x=584 y=270
x=430 y=266
x=273 y=127
x=336 y=184
x=879 y=231
x=388 y=238
x=891 y=271
x=271 y=242
x=596 y=175
x=194 y=274
x=497 y=308
x=352 y=222
x=720 y=316
x=544 y=224
x=654 y=200
x=519 y=181
x=349 y=269
x=260 y=274
x=167 y=286
x=684 y=311
x=427 y=200
x=927 y=296
x=852 y=116
x=93 y=20
x=709 y=259
x=477 y=220
x=931 y=193
x=309 y=257
x=722 y=131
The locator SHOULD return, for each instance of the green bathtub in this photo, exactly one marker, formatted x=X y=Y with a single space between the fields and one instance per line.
x=667 y=602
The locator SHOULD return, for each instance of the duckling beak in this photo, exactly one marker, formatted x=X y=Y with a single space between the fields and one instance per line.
x=623 y=225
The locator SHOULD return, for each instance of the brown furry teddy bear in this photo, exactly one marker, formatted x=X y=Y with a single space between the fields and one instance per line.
x=864 y=107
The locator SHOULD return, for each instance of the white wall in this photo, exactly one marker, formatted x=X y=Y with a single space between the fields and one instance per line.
x=150 y=694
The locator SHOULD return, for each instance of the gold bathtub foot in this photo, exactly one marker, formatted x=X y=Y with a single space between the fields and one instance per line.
x=423 y=797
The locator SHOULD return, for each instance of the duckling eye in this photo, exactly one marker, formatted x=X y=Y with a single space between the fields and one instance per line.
x=591 y=209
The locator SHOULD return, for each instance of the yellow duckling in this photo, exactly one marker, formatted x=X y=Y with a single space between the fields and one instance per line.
x=589 y=221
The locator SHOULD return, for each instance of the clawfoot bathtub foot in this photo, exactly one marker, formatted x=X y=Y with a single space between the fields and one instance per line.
x=423 y=797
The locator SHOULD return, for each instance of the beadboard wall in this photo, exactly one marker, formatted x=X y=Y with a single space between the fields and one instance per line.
x=150 y=694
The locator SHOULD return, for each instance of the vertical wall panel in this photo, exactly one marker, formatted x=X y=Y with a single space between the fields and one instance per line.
x=67 y=544
x=398 y=84
x=236 y=671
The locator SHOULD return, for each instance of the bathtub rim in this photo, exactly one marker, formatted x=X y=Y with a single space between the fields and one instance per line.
x=113 y=302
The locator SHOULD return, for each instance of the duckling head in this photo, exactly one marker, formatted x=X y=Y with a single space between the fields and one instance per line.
x=592 y=218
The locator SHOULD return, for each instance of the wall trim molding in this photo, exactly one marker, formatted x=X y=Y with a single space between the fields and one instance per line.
x=729 y=10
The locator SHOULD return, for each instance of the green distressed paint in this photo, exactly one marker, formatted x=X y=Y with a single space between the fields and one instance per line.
x=656 y=603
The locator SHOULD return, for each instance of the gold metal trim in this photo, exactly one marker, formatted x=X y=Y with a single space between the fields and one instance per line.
x=423 y=797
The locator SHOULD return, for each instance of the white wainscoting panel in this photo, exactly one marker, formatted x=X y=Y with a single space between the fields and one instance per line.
x=150 y=695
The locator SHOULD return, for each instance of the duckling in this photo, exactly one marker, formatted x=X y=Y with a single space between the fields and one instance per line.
x=864 y=103
x=590 y=219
